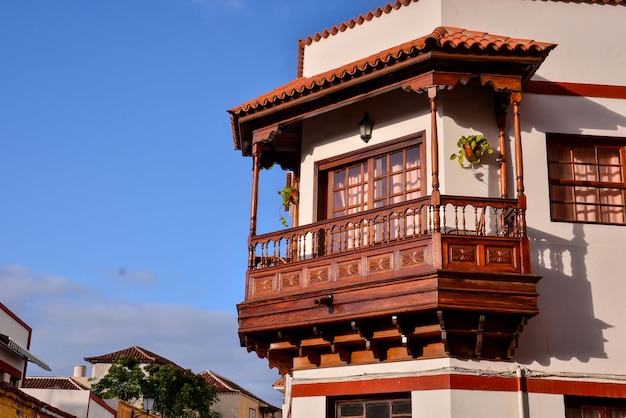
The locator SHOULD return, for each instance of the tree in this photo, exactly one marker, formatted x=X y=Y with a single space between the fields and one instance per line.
x=178 y=393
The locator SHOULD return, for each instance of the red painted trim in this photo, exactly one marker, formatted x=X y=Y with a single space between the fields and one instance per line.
x=575 y=89
x=459 y=382
x=101 y=402
x=7 y=368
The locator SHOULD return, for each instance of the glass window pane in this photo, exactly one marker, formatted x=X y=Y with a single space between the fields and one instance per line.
x=339 y=179
x=351 y=410
x=562 y=193
x=584 y=155
x=559 y=153
x=585 y=172
x=563 y=211
x=354 y=196
x=338 y=200
x=412 y=158
x=561 y=171
x=380 y=188
x=397 y=183
x=397 y=163
x=587 y=213
x=586 y=195
x=401 y=407
x=621 y=413
x=380 y=166
x=610 y=174
x=354 y=175
x=377 y=410
x=608 y=156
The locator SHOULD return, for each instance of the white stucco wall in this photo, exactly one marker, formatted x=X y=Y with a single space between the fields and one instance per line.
x=577 y=31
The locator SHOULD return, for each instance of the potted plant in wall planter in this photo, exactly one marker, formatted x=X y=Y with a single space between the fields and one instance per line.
x=471 y=149
x=289 y=197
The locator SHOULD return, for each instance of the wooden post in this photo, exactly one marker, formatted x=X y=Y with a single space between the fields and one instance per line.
x=256 y=168
x=434 y=158
x=500 y=108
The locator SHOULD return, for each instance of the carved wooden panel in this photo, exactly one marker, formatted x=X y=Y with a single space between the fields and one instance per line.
x=262 y=285
x=348 y=269
x=412 y=257
x=379 y=263
x=319 y=275
x=290 y=280
x=500 y=255
x=462 y=253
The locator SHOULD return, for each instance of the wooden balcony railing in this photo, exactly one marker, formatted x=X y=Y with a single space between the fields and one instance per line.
x=455 y=216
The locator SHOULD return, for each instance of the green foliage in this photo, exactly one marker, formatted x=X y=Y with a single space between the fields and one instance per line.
x=125 y=380
x=177 y=393
x=285 y=195
x=471 y=148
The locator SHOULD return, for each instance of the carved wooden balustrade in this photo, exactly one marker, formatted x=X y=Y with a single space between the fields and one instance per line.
x=488 y=222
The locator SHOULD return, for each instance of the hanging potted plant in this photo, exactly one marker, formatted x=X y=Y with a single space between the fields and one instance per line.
x=289 y=196
x=471 y=148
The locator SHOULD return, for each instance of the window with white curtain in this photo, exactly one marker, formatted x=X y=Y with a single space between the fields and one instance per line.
x=587 y=178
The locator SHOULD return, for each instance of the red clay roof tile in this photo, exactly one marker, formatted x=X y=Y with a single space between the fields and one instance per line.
x=358 y=20
x=64 y=383
x=140 y=354
x=442 y=38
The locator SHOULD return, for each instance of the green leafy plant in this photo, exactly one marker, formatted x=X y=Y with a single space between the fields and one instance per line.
x=471 y=148
x=288 y=194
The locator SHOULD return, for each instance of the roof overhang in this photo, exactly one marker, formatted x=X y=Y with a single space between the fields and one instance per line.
x=22 y=352
x=447 y=55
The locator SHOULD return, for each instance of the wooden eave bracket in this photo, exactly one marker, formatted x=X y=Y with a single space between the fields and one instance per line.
x=502 y=83
x=265 y=135
x=442 y=80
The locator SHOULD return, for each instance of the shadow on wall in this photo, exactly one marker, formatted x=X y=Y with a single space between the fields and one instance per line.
x=566 y=327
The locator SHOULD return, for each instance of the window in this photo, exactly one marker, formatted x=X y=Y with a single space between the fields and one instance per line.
x=372 y=178
x=587 y=178
x=580 y=407
x=396 y=408
x=252 y=413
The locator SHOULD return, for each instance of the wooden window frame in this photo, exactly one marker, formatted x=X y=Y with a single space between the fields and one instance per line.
x=591 y=142
x=322 y=167
x=575 y=405
x=333 y=403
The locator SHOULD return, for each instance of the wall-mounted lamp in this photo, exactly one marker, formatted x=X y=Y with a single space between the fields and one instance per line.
x=365 y=128
x=148 y=403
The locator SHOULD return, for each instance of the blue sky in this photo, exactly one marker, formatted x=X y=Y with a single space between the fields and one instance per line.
x=125 y=208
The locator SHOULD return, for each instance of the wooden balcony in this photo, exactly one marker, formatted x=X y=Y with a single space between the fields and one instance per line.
x=413 y=280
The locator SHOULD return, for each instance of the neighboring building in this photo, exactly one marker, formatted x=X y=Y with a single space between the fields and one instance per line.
x=236 y=402
x=15 y=337
x=410 y=287
x=232 y=400
x=70 y=394
x=101 y=364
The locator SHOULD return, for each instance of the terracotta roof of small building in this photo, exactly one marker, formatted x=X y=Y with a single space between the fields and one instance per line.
x=443 y=38
x=224 y=386
x=64 y=383
x=140 y=354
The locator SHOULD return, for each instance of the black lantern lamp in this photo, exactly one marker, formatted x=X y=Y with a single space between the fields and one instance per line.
x=365 y=128
x=148 y=403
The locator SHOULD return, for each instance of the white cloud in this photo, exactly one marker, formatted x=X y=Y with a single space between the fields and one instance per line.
x=71 y=321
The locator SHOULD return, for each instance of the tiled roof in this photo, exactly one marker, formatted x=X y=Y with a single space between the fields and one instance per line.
x=65 y=383
x=358 y=20
x=448 y=39
x=224 y=386
x=140 y=354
